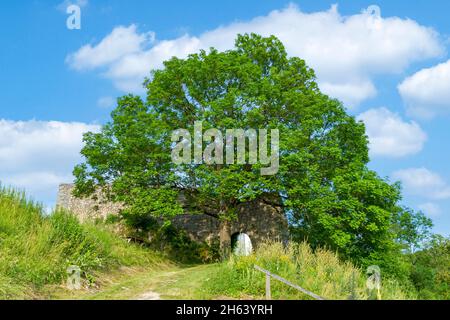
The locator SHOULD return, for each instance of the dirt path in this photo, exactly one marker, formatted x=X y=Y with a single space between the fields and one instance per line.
x=150 y=295
x=173 y=282
x=169 y=283
x=182 y=283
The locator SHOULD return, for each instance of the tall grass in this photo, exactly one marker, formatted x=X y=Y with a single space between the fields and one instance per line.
x=36 y=249
x=320 y=272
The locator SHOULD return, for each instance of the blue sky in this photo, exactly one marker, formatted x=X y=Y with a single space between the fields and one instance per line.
x=391 y=70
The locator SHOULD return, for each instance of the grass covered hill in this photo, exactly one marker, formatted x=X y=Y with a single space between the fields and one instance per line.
x=36 y=249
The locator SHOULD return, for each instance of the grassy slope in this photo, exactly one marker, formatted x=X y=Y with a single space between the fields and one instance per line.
x=36 y=250
x=320 y=272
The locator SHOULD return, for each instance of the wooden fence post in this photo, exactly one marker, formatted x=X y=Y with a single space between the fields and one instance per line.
x=268 y=292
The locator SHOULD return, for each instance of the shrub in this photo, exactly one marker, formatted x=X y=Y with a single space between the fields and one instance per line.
x=181 y=248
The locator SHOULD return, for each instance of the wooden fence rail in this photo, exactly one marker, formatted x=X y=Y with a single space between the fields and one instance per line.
x=270 y=274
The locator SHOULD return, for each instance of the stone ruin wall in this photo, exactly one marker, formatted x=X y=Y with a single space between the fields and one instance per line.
x=257 y=219
x=85 y=208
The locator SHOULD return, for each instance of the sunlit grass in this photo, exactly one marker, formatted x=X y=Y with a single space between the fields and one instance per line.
x=320 y=272
x=37 y=248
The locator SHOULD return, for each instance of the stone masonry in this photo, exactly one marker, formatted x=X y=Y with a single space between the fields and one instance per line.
x=257 y=219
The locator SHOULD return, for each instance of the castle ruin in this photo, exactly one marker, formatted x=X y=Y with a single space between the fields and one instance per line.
x=258 y=219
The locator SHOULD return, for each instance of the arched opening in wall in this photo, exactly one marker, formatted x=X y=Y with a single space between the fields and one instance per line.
x=241 y=244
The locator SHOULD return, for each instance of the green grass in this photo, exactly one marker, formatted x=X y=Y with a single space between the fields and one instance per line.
x=36 y=249
x=320 y=272
x=171 y=283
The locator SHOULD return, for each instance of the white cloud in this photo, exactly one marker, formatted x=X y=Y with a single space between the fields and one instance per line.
x=346 y=52
x=427 y=92
x=423 y=182
x=106 y=102
x=39 y=155
x=430 y=209
x=351 y=93
x=122 y=42
x=391 y=136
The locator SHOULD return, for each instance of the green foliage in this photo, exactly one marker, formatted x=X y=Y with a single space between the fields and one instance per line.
x=412 y=229
x=129 y=154
x=333 y=200
x=351 y=214
x=320 y=272
x=175 y=243
x=178 y=245
x=431 y=269
x=36 y=249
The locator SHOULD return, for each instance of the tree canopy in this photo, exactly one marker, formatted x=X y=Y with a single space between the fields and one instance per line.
x=330 y=196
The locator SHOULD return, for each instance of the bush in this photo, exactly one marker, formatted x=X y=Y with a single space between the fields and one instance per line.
x=162 y=235
x=431 y=269
x=177 y=244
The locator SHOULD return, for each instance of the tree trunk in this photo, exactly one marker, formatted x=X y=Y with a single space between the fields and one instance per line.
x=225 y=239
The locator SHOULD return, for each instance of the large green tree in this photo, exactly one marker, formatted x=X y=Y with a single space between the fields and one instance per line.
x=331 y=197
